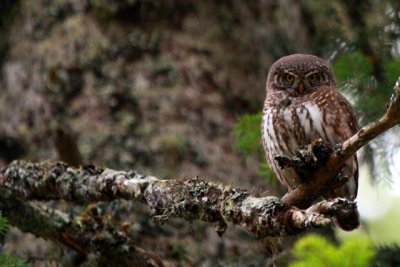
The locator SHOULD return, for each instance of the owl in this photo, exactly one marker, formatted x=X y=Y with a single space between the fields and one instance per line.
x=303 y=104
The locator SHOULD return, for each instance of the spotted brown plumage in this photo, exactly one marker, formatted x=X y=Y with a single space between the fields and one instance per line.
x=303 y=104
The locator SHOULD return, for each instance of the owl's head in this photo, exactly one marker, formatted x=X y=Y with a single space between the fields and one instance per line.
x=300 y=74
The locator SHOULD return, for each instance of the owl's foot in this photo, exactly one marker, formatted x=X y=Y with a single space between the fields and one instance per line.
x=346 y=215
x=343 y=211
x=307 y=158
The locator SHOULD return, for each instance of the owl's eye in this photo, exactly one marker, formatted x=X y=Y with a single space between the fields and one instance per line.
x=313 y=77
x=289 y=77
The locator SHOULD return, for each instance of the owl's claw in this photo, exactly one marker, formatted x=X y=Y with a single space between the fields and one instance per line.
x=307 y=158
x=289 y=162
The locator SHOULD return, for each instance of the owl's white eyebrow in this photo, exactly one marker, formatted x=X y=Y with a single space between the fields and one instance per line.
x=311 y=73
x=275 y=78
x=288 y=72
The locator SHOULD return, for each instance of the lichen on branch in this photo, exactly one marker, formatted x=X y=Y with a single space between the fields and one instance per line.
x=191 y=199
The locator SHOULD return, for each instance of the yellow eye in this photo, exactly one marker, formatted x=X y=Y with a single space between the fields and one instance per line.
x=312 y=77
x=289 y=77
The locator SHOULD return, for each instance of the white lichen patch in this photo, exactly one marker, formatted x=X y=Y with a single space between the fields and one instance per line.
x=253 y=203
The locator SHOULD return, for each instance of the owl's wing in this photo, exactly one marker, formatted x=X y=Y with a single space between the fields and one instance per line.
x=350 y=115
x=346 y=125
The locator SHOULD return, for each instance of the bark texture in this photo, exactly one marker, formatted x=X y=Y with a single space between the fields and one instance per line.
x=191 y=199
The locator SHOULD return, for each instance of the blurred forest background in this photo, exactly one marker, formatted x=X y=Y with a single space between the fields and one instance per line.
x=174 y=89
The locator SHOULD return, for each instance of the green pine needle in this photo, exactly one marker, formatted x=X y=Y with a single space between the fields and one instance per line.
x=10 y=261
x=4 y=225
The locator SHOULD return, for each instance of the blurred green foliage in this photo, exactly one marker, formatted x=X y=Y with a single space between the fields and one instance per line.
x=248 y=142
x=248 y=135
x=392 y=71
x=268 y=173
x=355 y=76
x=7 y=260
x=317 y=251
x=10 y=261
x=4 y=225
x=353 y=65
x=387 y=255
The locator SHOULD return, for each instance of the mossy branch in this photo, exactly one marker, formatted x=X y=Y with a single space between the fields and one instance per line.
x=191 y=199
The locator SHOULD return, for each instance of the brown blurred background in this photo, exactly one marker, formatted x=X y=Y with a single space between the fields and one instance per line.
x=157 y=86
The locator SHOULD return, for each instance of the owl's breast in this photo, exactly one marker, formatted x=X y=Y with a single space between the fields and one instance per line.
x=315 y=121
x=298 y=124
x=284 y=129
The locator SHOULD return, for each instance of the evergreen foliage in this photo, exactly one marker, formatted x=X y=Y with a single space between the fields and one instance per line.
x=7 y=260
x=248 y=135
x=317 y=251
x=4 y=225
x=10 y=261
x=248 y=142
x=387 y=256
x=355 y=77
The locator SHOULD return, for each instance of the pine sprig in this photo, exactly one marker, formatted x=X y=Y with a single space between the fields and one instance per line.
x=4 y=225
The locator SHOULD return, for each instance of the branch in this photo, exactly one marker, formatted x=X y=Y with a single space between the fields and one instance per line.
x=191 y=199
x=85 y=234
x=330 y=163
x=390 y=119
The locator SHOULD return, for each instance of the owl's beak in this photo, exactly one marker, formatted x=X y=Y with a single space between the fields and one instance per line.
x=301 y=88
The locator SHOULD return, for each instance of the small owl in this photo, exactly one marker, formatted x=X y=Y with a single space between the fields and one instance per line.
x=302 y=105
